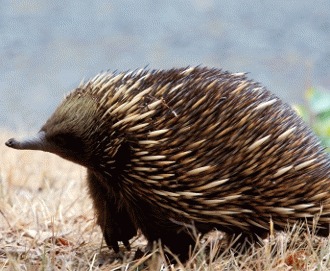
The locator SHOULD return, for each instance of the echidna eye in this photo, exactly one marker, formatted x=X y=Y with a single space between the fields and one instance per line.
x=67 y=141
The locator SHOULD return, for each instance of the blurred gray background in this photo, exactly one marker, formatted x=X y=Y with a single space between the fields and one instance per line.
x=48 y=47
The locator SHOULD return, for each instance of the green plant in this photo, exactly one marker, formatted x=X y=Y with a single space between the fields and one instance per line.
x=316 y=112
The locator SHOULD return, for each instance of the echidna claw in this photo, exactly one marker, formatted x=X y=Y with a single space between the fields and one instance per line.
x=127 y=245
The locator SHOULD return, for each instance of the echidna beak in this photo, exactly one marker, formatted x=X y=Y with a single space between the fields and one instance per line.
x=12 y=143
x=37 y=142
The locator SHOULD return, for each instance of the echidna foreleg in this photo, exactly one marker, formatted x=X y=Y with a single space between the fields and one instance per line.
x=114 y=221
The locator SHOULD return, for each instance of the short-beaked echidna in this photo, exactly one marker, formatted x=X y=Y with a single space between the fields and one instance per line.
x=191 y=146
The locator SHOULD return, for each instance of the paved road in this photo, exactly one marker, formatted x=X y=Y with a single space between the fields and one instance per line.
x=47 y=47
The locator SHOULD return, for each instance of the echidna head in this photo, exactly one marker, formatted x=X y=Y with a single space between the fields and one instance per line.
x=67 y=132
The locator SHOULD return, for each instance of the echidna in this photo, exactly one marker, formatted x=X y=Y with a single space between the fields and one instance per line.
x=190 y=146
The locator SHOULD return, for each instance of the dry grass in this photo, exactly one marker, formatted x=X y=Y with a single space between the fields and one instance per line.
x=47 y=223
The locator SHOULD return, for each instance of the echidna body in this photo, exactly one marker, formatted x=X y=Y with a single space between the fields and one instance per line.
x=192 y=146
